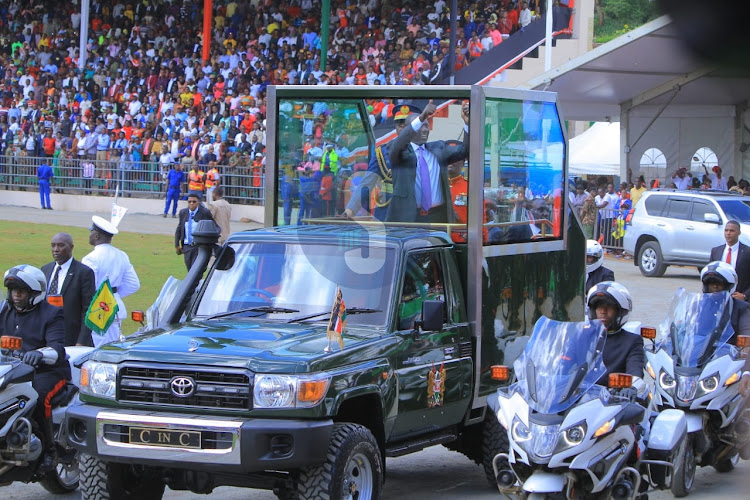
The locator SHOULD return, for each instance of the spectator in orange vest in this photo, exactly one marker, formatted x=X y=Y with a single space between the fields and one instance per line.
x=196 y=177
x=212 y=181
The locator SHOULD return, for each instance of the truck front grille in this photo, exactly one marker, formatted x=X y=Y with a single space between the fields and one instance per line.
x=230 y=390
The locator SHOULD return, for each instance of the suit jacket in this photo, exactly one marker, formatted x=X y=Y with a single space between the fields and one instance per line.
x=78 y=290
x=202 y=213
x=597 y=276
x=742 y=267
x=403 y=206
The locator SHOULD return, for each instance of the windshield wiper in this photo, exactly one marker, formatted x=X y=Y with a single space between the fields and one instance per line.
x=260 y=309
x=362 y=310
x=352 y=310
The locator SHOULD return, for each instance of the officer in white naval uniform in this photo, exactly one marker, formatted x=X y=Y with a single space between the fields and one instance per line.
x=109 y=262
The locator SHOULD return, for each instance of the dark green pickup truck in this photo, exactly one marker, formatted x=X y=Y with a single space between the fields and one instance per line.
x=312 y=352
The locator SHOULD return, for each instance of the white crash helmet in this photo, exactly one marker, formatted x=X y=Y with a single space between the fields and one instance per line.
x=611 y=292
x=722 y=272
x=594 y=249
x=29 y=278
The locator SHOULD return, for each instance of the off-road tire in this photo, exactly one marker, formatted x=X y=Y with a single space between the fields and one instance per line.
x=494 y=441
x=727 y=465
x=110 y=481
x=684 y=473
x=328 y=481
x=59 y=483
x=650 y=260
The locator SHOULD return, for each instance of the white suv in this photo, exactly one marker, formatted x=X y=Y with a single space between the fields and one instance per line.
x=671 y=227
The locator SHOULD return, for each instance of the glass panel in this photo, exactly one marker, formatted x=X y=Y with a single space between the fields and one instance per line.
x=300 y=282
x=700 y=210
x=679 y=209
x=361 y=157
x=524 y=158
x=423 y=280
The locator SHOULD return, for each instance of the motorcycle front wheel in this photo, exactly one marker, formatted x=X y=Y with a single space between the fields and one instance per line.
x=64 y=479
x=684 y=472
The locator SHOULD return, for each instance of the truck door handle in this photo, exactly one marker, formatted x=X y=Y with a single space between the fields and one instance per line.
x=660 y=224
x=690 y=228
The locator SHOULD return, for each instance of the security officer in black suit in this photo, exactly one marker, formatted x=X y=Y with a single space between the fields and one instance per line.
x=74 y=282
x=736 y=254
x=42 y=327
x=611 y=303
x=189 y=217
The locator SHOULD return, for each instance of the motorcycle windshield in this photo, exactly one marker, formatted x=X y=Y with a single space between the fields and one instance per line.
x=560 y=363
x=698 y=326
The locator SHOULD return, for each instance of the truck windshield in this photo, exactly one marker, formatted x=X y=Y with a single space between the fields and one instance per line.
x=290 y=281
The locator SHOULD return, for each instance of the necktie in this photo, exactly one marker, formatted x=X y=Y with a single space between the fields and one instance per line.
x=190 y=229
x=729 y=255
x=424 y=176
x=54 y=283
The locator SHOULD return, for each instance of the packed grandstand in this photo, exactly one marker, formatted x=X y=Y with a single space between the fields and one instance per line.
x=144 y=100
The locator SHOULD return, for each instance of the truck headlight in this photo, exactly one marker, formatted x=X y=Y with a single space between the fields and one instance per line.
x=99 y=379
x=288 y=391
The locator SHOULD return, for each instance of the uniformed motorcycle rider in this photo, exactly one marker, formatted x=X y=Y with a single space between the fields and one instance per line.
x=611 y=303
x=719 y=276
x=595 y=271
x=29 y=316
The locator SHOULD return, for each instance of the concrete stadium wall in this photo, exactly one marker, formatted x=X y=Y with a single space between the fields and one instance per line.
x=103 y=204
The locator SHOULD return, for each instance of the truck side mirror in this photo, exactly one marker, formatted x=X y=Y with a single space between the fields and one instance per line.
x=432 y=315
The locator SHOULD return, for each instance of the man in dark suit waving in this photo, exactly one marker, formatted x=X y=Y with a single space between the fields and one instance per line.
x=738 y=255
x=421 y=189
x=183 y=235
x=75 y=283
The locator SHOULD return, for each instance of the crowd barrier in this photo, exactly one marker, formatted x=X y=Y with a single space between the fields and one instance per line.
x=243 y=185
x=611 y=226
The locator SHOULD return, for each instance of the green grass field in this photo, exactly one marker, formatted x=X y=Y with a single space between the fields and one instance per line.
x=152 y=256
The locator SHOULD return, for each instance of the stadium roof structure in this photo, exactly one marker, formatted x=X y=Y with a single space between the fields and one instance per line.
x=661 y=94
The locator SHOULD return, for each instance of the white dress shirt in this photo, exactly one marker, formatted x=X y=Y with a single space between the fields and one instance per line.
x=735 y=250
x=64 y=268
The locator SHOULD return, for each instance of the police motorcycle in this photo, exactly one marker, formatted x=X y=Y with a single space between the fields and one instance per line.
x=20 y=444
x=696 y=369
x=569 y=437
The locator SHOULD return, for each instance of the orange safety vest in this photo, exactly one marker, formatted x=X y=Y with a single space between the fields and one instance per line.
x=211 y=178
x=196 y=181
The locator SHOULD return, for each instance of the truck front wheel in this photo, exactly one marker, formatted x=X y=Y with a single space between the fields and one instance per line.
x=494 y=441
x=110 y=481
x=353 y=468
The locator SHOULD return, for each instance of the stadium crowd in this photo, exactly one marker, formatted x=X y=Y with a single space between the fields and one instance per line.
x=145 y=101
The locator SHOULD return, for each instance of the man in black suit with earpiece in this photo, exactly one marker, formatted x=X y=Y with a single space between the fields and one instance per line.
x=736 y=254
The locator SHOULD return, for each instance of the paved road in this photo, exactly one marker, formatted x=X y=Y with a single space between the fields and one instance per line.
x=436 y=472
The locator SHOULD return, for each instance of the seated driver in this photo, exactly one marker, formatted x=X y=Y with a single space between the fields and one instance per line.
x=610 y=303
x=719 y=276
x=42 y=328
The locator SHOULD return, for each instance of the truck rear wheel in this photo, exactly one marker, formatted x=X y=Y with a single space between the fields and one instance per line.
x=494 y=441
x=110 y=481
x=353 y=468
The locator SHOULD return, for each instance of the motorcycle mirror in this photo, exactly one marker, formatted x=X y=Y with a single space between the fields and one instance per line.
x=620 y=380
x=11 y=343
x=648 y=333
x=743 y=341
x=500 y=372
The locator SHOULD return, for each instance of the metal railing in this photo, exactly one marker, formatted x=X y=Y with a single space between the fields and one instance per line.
x=610 y=227
x=243 y=185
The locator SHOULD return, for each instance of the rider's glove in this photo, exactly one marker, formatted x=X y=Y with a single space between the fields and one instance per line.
x=33 y=358
x=629 y=393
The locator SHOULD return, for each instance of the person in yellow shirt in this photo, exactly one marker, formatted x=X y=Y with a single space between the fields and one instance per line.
x=637 y=191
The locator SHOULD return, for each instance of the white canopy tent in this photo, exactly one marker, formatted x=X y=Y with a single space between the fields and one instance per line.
x=662 y=96
x=596 y=151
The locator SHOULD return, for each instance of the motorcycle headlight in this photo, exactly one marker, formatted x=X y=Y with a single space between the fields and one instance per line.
x=666 y=381
x=574 y=436
x=709 y=384
x=519 y=431
x=99 y=379
x=288 y=391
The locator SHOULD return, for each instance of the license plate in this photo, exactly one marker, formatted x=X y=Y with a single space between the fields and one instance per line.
x=162 y=437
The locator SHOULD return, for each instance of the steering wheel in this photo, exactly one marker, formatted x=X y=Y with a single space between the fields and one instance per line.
x=258 y=292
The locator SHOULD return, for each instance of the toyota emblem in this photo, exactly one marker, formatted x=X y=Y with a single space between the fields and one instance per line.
x=182 y=387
